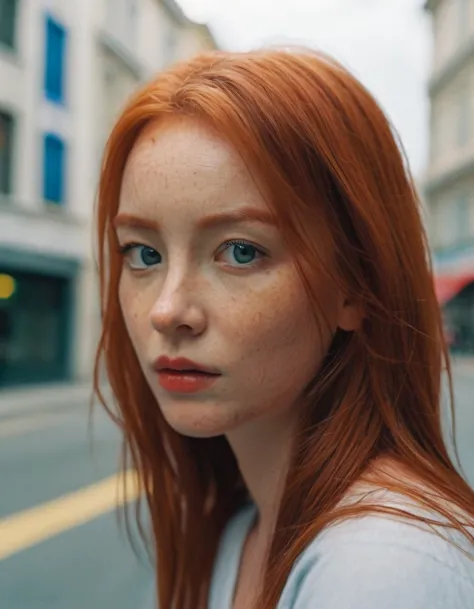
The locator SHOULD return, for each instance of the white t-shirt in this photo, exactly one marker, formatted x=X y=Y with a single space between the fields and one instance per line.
x=369 y=562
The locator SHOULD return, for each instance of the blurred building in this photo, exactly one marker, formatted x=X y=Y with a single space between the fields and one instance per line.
x=66 y=69
x=137 y=38
x=449 y=185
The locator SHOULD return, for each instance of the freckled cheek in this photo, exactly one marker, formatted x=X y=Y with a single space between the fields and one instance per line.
x=267 y=319
x=135 y=312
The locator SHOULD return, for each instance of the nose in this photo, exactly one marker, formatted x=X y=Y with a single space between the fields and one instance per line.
x=176 y=311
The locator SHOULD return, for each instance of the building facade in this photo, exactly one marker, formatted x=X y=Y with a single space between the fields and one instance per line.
x=66 y=69
x=449 y=183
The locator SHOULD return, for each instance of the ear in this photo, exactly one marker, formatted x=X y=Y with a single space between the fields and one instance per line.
x=351 y=315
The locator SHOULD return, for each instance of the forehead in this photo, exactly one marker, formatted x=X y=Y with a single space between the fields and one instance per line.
x=184 y=160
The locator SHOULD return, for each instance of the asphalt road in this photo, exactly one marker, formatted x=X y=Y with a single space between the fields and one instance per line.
x=89 y=564
x=464 y=421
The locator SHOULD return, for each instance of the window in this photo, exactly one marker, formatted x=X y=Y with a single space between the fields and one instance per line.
x=464 y=117
x=55 y=49
x=133 y=19
x=434 y=223
x=122 y=20
x=171 y=44
x=54 y=168
x=8 y=22
x=6 y=151
x=34 y=324
x=463 y=219
x=435 y=132
x=464 y=16
x=132 y=10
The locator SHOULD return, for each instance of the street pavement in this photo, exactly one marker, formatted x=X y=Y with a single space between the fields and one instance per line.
x=464 y=420
x=55 y=468
x=45 y=456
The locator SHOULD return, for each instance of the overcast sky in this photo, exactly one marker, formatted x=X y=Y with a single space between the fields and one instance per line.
x=386 y=43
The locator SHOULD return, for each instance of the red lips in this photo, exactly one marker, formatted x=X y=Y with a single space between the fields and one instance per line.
x=182 y=375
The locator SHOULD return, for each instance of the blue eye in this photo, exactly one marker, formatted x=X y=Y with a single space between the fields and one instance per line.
x=140 y=257
x=242 y=253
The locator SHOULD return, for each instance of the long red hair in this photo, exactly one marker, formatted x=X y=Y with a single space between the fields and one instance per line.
x=331 y=165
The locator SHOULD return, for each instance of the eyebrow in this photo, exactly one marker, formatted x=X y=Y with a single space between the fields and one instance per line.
x=132 y=221
x=246 y=214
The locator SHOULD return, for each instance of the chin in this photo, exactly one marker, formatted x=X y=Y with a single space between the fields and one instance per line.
x=198 y=420
x=198 y=434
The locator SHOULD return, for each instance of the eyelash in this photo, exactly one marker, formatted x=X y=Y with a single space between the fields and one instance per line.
x=127 y=247
x=228 y=244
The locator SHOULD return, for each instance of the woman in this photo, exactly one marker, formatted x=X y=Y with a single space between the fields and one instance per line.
x=272 y=338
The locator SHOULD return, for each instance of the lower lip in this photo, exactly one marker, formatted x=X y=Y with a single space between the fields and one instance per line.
x=185 y=382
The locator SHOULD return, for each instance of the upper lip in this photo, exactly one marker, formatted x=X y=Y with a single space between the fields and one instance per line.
x=181 y=363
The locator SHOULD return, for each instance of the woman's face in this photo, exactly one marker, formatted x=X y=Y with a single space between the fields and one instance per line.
x=206 y=276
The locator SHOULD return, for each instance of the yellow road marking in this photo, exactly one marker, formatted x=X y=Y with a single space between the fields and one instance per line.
x=32 y=526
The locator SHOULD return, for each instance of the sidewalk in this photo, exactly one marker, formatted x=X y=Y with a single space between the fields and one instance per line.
x=22 y=401
x=464 y=365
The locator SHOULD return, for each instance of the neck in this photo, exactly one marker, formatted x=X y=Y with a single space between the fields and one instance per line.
x=263 y=449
